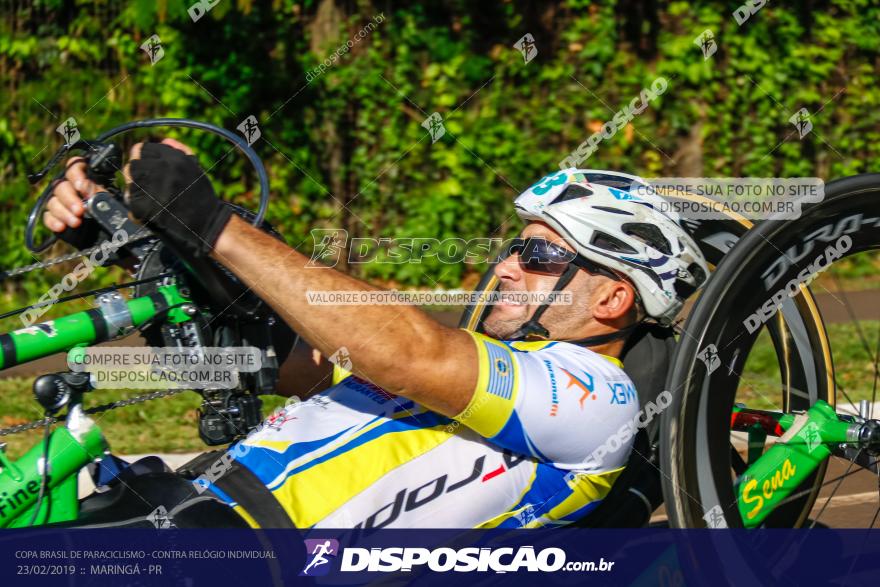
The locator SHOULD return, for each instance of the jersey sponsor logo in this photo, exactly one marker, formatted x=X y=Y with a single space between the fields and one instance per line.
x=554 y=393
x=278 y=420
x=371 y=390
x=584 y=384
x=622 y=393
x=407 y=500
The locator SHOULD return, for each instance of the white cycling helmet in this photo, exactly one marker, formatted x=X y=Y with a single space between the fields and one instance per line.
x=617 y=221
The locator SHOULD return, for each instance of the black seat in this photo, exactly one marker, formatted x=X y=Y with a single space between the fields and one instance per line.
x=637 y=492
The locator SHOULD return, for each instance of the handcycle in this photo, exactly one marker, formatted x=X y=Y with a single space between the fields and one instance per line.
x=687 y=459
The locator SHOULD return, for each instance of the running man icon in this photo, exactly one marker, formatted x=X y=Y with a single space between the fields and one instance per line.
x=317 y=552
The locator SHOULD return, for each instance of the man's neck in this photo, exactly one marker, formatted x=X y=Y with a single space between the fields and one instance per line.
x=612 y=349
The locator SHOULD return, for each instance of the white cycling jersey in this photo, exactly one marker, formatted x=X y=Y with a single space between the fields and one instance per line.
x=522 y=454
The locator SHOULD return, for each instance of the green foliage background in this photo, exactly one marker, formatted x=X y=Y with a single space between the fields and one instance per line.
x=347 y=149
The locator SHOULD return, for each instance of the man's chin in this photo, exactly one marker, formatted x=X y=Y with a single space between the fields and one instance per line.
x=501 y=328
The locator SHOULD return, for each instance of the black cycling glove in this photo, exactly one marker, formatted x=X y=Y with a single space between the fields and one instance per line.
x=173 y=196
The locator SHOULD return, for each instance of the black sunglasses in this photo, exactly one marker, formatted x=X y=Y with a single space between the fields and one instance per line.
x=538 y=255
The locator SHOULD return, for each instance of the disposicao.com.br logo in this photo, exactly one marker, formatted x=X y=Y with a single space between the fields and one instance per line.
x=469 y=559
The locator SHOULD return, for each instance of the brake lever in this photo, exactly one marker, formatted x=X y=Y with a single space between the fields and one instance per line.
x=112 y=216
x=102 y=162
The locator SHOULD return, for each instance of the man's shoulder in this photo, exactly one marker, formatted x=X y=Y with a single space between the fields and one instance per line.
x=557 y=350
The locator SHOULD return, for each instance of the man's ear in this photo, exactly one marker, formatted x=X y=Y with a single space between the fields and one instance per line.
x=613 y=300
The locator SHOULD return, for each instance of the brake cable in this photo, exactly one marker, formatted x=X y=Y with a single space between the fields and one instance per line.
x=94 y=292
x=236 y=140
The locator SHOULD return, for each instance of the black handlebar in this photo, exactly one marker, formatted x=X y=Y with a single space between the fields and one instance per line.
x=96 y=149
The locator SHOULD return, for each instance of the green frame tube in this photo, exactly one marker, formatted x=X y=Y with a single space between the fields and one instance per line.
x=84 y=328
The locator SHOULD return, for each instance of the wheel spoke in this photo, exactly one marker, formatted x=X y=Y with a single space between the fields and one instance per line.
x=876 y=373
x=800 y=494
x=877 y=513
x=852 y=316
x=833 y=491
x=837 y=386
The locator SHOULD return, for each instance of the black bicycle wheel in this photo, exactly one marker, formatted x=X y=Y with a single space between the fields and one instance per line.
x=720 y=334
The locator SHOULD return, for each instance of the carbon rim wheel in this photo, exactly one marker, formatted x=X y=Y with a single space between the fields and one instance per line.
x=696 y=454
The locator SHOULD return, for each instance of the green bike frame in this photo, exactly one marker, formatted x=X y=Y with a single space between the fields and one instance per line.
x=803 y=446
x=72 y=447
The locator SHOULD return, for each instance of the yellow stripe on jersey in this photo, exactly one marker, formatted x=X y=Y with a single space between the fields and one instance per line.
x=585 y=489
x=313 y=494
x=276 y=445
x=611 y=359
x=495 y=393
x=494 y=522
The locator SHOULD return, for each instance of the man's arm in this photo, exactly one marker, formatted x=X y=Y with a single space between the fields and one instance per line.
x=399 y=348
x=304 y=372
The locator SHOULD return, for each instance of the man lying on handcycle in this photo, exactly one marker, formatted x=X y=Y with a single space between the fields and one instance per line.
x=437 y=426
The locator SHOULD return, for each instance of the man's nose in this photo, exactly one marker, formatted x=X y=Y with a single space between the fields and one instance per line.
x=509 y=268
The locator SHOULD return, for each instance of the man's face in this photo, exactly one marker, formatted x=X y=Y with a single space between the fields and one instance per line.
x=564 y=321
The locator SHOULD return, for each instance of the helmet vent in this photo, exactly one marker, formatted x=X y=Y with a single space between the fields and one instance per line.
x=648 y=234
x=683 y=289
x=572 y=192
x=612 y=210
x=612 y=181
x=609 y=243
x=698 y=273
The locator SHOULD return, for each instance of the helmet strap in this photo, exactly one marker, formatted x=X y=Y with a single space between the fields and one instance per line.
x=533 y=329
x=607 y=337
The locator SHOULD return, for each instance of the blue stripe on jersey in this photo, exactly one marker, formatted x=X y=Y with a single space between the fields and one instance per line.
x=547 y=490
x=514 y=437
x=267 y=464
x=420 y=422
x=500 y=371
